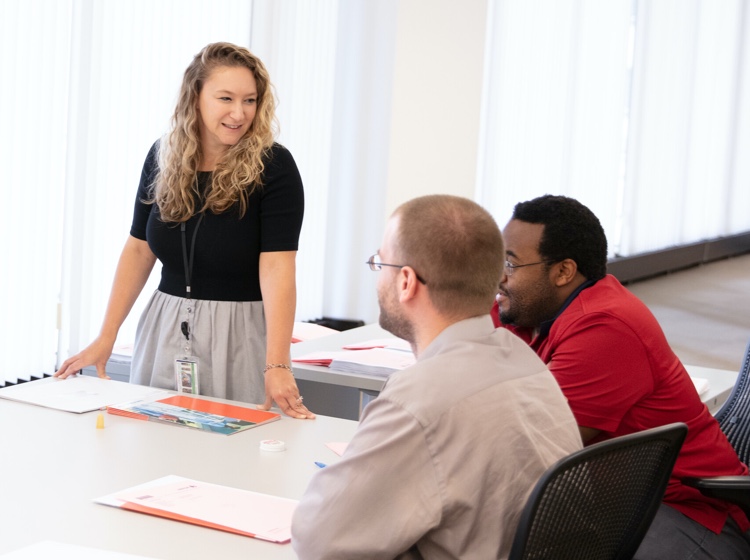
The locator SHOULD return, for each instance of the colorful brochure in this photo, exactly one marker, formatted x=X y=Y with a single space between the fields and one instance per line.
x=195 y=412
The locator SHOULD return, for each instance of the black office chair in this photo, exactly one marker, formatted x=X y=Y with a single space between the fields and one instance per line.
x=734 y=419
x=598 y=503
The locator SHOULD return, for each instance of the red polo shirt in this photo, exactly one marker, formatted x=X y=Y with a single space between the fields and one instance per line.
x=613 y=362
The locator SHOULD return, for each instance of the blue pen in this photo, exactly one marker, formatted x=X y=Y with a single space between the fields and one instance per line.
x=321 y=465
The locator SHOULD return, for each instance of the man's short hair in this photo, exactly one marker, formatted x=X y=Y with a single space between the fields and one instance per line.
x=571 y=231
x=456 y=246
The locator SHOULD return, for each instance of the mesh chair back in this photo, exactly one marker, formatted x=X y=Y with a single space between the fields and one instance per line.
x=734 y=415
x=598 y=503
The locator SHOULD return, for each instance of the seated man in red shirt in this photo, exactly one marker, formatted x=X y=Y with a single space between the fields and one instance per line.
x=614 y=365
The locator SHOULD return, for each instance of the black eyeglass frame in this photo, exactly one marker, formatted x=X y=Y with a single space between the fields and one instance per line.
x=510 y=267
x=377 y=266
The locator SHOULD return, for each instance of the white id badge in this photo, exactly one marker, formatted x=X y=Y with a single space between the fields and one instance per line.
x=186 y=374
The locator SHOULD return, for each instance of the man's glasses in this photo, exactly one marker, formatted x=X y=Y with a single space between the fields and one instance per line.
x=510 y=267
x=375 y=265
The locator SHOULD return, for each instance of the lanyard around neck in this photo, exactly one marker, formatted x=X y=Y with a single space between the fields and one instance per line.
x=189 y=262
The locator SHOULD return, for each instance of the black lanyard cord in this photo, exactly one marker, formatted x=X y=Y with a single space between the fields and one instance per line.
x=185 y=326
x=189 y=262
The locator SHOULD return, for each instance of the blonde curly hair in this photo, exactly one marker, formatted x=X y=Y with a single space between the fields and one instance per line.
x=239 y=172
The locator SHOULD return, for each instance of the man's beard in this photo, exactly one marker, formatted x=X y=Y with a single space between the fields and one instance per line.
x=394 y=322
x=529 y=311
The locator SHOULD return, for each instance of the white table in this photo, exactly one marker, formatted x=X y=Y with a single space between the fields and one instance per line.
x=720 y=381
x=53 y=464
x=334 y=393
x=720 y=385
x=334 y=343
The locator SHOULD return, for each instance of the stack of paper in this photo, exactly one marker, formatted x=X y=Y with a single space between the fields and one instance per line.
x=379 y=357
x=321 y=358
x=377 y=361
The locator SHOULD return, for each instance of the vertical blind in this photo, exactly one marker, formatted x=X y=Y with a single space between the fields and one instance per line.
x=556 y=92
x=687 y=178
x=34 y=63
x=634 y=107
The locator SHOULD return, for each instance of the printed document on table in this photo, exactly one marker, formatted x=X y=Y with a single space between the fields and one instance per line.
x=701 y=385
x=319 y=358
x=391 y=343
x=377 y=361
x=310 y=331
x=211 y=505
x=80 y=393
x=373 y=361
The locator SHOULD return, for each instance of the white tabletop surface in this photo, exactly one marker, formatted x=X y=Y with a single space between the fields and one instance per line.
x=53 y=464
x=720 y=381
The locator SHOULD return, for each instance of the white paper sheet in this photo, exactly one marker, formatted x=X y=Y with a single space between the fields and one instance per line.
x=701 y=385
x=391 y=343
x=81 y=393
x=338 y=447
x=310 y=331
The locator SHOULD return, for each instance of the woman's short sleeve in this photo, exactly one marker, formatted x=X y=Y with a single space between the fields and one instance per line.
x=141 y=211
x=282 y=203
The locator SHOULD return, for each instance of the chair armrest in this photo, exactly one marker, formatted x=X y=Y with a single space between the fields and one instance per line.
x=740 y=483
x=733 y=489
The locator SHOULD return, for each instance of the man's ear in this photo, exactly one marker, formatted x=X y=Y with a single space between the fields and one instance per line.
x=565 y=272
x=407 y=283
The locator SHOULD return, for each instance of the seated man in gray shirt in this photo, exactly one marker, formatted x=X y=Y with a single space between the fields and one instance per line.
x=445 y=457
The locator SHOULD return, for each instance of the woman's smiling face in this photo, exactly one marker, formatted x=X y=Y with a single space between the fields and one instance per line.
x=227 y=105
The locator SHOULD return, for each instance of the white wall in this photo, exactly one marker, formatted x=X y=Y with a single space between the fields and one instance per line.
x=437 y=92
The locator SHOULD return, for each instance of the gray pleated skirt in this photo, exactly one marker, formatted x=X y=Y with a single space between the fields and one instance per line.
x=228 y=338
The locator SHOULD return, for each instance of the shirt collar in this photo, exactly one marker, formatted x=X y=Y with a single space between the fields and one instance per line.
x=466 y=329
x=545 y=327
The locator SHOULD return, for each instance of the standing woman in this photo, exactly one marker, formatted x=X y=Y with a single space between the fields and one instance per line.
x=220 y=204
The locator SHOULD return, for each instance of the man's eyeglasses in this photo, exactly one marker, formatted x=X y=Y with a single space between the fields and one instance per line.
x=510 y=267
x=375 y=265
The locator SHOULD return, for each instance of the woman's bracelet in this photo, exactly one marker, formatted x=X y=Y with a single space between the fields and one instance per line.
x=274 y=366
